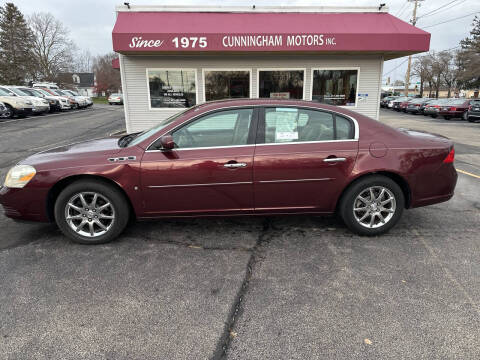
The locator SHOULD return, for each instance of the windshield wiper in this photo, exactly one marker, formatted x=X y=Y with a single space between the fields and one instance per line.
x=126 y=139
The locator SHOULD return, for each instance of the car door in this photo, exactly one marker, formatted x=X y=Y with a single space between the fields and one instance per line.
x=303 y=159
x=210 y=170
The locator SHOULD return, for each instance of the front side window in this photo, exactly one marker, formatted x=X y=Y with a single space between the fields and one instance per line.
x=281 y=84
x=224 y=128
x=286 y=125
x=172 y=88
x=226 y=84
x=335 y=87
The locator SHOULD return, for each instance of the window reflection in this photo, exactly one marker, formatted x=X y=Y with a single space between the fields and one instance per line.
x=172 y=88
x=281 y=84
x=335 y=87
x=226 y=84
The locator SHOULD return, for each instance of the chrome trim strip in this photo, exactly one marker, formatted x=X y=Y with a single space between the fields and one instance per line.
x=355 y=123
x=193 y=185
x=294 y=180
x=329 y=160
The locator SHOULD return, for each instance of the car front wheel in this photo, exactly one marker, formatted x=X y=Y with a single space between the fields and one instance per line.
x=372 y=205
x=91 y=212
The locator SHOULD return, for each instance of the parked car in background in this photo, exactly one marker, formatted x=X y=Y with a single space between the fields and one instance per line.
x=40 y=106
x=454 y=108
x=45 y=85
x=115 y=99
x=3 y=110
x=65 y=102
x=252 y=167
x=16 y=106
x=415 y=106
x=397 y=103
x=87 y=101
x=73 y=103
x=433 y=107
x=384 y=102
x=80 y=100
x=52 y=101
x=473 y=112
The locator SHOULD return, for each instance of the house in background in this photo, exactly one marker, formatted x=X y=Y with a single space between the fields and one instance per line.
x=83 y=83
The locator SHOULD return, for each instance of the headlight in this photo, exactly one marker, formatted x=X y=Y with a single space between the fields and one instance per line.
x=19 y=176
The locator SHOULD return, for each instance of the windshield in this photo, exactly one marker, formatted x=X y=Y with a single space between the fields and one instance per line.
x=5 y=92
x=59 y=92
x=147 y=133
x=18 y=91
x=41 y=91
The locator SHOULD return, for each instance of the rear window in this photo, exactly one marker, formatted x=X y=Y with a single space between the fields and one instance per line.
x=457 y=102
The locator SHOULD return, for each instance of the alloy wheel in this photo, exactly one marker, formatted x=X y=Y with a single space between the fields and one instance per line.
x=89 y=214
x=374 y=207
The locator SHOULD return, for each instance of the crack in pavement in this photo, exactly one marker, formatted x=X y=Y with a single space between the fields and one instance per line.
x=238 y=306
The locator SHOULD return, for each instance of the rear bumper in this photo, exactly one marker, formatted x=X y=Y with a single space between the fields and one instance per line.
x=436 y=187
x=24 y=204
x=451 y=113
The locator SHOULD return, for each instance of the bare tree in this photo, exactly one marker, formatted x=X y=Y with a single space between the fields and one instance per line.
x=422 y=70
x=53 y=49
x=83 y=61
x=447 y=60
x=107 y=78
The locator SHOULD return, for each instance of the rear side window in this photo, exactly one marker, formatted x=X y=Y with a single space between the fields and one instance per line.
x=291 y=125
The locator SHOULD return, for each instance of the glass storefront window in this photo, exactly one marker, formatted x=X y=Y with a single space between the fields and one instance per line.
x=281 y=84
x=172 y=88
x=335 y=87
x=226 y=84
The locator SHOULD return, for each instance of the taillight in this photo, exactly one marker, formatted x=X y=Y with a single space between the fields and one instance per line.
x=450 y=157
x=417 y=105
x=453 y=109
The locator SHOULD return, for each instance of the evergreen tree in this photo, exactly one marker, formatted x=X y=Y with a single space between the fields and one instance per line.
x=16 y=42
x=469 y=58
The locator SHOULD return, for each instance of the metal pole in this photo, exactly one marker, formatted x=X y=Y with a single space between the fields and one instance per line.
x=414 y=21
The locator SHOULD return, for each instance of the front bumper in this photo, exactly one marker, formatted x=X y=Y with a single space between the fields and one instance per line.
x=40 y=109
x=24 y=204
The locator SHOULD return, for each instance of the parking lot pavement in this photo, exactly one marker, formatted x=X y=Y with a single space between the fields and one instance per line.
x=246 y=288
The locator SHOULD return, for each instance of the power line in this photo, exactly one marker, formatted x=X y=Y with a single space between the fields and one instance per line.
x=457 y=18
x=443 y=8
x=416 y=56
x=428 y=13
x=401 y=9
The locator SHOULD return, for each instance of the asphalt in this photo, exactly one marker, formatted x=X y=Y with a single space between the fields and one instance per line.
x=243 y=288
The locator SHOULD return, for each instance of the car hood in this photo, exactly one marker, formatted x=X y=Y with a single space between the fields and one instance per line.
x=78 y=154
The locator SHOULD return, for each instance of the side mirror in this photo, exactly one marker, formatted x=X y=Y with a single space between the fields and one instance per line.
x=167 y=142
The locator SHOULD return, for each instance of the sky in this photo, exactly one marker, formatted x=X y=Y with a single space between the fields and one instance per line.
x=91 y=21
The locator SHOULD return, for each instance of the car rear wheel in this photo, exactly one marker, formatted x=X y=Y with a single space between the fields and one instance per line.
x=372 y=205
x=447 y=117
x=10 y=113
x=91 y=212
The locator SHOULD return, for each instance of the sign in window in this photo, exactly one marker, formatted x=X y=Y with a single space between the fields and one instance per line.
x=172 y=88
x=335 y=87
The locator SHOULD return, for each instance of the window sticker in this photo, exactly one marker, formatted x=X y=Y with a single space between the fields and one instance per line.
x=286 y=135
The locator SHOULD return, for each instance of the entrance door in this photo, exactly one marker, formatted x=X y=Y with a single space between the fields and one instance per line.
x=302 y=159
x=209 y=171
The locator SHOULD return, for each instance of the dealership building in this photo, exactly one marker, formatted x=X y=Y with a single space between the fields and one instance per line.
x=172 y=58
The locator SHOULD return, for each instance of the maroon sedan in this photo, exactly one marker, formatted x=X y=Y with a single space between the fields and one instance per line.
x=236 y=157
x=454 y=108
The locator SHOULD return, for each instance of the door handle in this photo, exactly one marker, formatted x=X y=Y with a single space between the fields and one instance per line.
x=234 y=165
x=334 y=159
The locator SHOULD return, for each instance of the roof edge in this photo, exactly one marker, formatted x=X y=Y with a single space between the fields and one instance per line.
x=253 y=9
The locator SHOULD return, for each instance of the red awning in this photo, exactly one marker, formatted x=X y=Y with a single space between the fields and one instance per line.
x=116 y=63
x=175 y=32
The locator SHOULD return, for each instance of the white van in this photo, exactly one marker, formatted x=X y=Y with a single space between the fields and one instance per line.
x=48 y=85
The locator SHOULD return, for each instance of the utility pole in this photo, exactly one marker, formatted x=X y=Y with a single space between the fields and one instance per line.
x=414 y=21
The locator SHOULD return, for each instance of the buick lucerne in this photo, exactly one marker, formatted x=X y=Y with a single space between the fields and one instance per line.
x=236 y=157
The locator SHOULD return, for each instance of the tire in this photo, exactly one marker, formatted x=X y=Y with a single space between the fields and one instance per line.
x=465 y=116
x=113 y=217
x=447 y=117
x=434 y=116
x=10 y=113
x=350 y=200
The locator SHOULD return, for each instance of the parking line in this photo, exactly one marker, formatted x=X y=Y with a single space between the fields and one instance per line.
x=467 y=173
